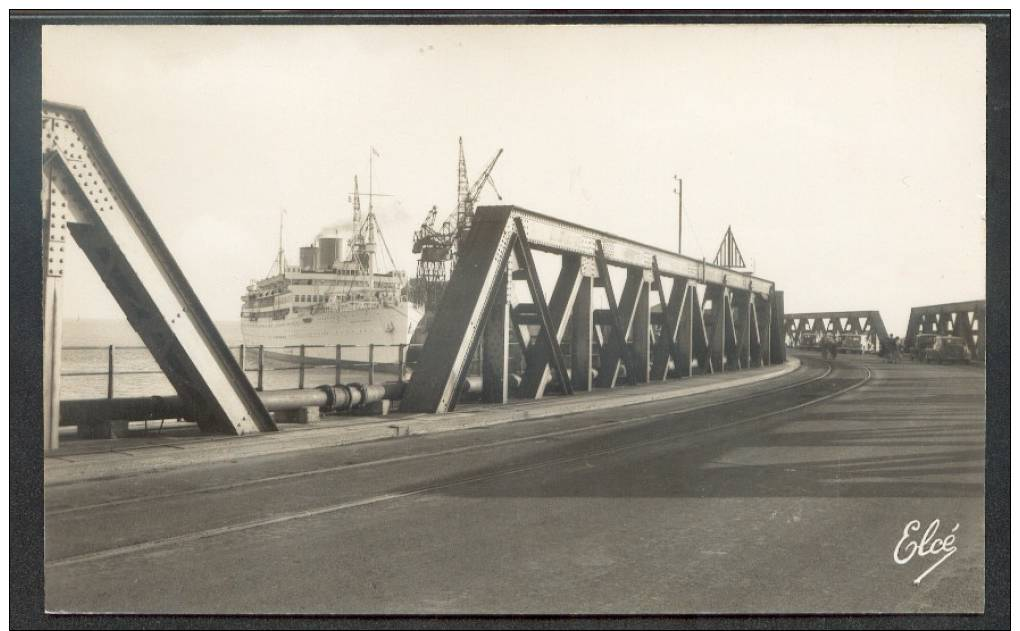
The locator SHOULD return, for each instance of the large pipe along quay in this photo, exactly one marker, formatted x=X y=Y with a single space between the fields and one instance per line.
x=339 y=398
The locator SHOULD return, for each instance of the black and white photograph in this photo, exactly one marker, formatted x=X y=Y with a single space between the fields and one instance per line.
x=470 y=317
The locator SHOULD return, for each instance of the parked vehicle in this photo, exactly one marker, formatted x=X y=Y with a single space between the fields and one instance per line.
x=851 y=343
x=947 y=348
x=889 y=349
x=809 y=341
x=922 y=343
x=829 y=346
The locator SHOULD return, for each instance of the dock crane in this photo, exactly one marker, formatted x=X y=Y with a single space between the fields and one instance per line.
x=467 y=197
x=437 y=248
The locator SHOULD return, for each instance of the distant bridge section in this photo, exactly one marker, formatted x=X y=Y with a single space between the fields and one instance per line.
x=867 y=324
x=963 y=319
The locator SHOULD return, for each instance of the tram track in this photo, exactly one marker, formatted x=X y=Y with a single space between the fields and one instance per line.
x=605 y=426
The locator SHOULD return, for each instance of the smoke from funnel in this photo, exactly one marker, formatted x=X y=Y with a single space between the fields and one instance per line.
x=340 y=229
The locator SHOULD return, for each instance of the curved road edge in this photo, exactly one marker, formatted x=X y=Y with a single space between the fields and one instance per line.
x=146 y=459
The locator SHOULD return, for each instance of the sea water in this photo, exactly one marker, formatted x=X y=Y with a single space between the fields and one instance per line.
x=86 y=345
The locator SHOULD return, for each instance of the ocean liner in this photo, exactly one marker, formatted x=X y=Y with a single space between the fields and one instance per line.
x=336 y=295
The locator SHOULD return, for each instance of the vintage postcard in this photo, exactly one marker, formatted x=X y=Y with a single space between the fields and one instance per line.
x=513 y=318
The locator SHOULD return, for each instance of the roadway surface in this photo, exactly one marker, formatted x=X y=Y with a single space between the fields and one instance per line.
x=786 y=496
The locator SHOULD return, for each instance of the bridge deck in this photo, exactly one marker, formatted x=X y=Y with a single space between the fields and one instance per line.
x=150 y=446
x=785 y=496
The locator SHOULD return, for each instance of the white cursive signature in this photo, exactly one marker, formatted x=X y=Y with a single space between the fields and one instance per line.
x=927 y=545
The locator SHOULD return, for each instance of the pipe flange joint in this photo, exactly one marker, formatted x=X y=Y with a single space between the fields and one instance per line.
x=330 y=397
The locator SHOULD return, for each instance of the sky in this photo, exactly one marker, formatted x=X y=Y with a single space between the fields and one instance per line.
x=849 y=160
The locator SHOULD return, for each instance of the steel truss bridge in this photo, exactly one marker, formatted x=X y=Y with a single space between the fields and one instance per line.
x=674 y=316
x=709 y=318
x=963 y=319
x=86 y=198
x=867 y=324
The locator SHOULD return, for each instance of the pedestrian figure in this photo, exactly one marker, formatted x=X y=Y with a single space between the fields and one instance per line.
x=884 y=349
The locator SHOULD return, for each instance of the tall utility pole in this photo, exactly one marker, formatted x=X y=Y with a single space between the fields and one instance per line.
x=679 y=191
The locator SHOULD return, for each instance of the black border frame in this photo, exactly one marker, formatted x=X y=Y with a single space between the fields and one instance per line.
x=25 y=255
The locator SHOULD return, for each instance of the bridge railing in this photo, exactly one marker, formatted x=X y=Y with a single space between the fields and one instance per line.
x=267 y=367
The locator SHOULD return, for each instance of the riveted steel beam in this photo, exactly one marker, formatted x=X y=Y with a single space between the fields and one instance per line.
x=700 y=345
x=777 y=351
x=538 y=360
x=583 y=324
x=754 y=335
x=622 y=334
x=741 y=310
x=667 y=345
x=496 y=345
x=554 y=235
x=641 y=328
x=617 y=351
x=445 y=356
x=551 y=331
x=86 y=196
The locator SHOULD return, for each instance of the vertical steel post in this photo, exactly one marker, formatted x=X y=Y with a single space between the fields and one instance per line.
x=548 y=329
x=400 y=361
x=52 y=309
x=336 y=367
x=259 y=386
x=301 y=368
x=109 y=372
x=495 y=345
x=742 y=324
x=639 y=329
x=685 y=330
x=240 y=357
x=580 y=343
x=371 y=364
x=778 y=347
x=54 y=228
x=622 y=351
x=716 y=294
x=979 y=320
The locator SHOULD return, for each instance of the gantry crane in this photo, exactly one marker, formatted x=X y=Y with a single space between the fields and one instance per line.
x=437 y=248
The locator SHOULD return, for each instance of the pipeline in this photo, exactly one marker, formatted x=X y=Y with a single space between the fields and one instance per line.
x=341 y=398
x=554 y=386
x=327 y=398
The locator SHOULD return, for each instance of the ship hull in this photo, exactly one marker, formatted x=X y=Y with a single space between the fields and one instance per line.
x=385 y=327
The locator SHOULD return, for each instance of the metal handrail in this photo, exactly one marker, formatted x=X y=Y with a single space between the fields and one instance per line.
x=260 y=369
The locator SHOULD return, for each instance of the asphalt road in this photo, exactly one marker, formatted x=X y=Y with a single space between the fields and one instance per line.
x=789 y=496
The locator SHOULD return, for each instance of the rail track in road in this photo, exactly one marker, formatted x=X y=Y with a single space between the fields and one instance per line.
x=433 y=454
x=805 y=392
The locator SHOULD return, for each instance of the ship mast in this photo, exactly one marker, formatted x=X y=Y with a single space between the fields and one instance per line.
x=280 y=260
x=363 y=242
x=370 y=223
x=356 y=204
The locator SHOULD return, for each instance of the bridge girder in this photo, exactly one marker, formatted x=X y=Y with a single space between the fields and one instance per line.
x=963 y=319
x=866 y=323
x=86 y=197
x=741 y=327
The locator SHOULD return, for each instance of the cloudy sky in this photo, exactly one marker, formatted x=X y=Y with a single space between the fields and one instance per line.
x=849 y=160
